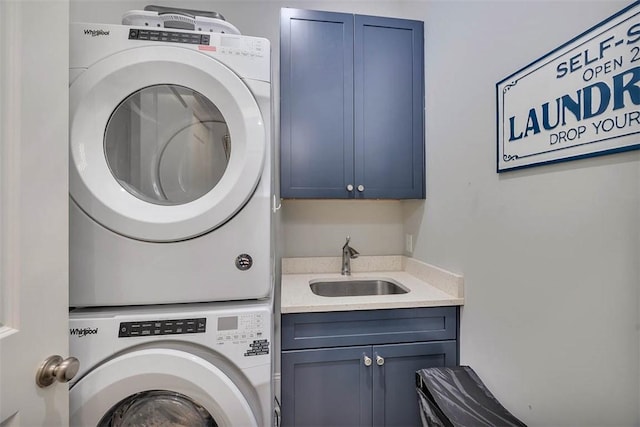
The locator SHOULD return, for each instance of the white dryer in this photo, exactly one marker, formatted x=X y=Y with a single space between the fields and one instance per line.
x=192 y=365
x=170 y=171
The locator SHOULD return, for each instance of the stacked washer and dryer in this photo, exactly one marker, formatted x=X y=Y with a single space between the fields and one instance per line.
x=171 y=262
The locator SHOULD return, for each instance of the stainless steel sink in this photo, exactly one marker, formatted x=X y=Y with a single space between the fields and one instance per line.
x=351 y=288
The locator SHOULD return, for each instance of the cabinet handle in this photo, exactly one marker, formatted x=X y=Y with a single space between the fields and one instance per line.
x=379 y=360
x=350 y=187
x=367 y=360
x=361 y=188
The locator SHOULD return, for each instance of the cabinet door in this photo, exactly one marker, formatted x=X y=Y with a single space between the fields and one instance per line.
x=389 y=108
x=316 y=104
x=395 y=402
x=326 y=387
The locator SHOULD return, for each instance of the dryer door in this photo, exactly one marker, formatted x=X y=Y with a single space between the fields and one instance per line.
x=166 y=143
x=158 y=387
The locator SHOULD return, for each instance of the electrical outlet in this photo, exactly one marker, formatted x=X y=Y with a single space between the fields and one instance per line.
x=408 y=243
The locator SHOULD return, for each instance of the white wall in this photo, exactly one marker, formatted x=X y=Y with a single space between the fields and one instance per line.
x=551 y=255
x=319 y=228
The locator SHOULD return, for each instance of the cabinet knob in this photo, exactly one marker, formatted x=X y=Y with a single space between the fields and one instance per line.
x=379 y=360
x=350 y=187
x=361 y=188
x=367 y=360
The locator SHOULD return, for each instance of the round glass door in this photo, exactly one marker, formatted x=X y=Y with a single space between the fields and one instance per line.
x=157 y=408
x=163 y=387
x=167 y=144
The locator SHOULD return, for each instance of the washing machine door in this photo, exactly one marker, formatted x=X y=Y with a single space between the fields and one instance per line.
x=166 y=143
x=163 y=387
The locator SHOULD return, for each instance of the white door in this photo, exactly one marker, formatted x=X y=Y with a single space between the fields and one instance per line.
x=33 y=207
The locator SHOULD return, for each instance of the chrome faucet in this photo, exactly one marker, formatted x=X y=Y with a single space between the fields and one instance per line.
x=348 y=253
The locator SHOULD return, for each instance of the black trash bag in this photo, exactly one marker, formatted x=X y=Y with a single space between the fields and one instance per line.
x=430 y=414
x=457 y=397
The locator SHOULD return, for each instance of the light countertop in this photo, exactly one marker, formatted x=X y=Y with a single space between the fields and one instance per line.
x=428 y=286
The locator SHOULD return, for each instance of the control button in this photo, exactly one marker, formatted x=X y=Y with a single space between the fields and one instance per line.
x=244 y=262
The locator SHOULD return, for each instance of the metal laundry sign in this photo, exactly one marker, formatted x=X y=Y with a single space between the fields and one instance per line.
x=580 y=100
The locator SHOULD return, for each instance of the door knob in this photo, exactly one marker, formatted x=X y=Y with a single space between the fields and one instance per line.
x=379 y=360
x=54 y=368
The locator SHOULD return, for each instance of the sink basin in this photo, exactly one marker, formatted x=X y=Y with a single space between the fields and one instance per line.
x=352 y=288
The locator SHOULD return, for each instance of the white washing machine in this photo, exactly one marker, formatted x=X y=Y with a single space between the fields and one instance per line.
x=170 y=174
x=190 y=365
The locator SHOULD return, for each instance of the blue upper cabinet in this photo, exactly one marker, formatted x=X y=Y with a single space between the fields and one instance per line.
x=389 y=109
x=316 y=104
x=352 y=106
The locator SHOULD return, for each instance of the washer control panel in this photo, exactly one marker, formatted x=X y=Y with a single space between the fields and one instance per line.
x=162 y=327
x=240 y=329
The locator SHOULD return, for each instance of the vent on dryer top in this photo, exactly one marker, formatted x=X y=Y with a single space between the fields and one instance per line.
x=182 y=19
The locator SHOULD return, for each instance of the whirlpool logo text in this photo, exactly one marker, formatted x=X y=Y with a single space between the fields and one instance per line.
x=95 y=33
x=81 y=332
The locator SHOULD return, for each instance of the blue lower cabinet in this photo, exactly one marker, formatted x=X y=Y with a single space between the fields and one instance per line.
x=395 y=402
x=361 y=385
x=326 y=387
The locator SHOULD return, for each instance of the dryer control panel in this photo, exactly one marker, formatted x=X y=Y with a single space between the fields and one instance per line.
x=169 y=36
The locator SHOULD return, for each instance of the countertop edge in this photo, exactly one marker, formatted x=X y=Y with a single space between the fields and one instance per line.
x=371 y=306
